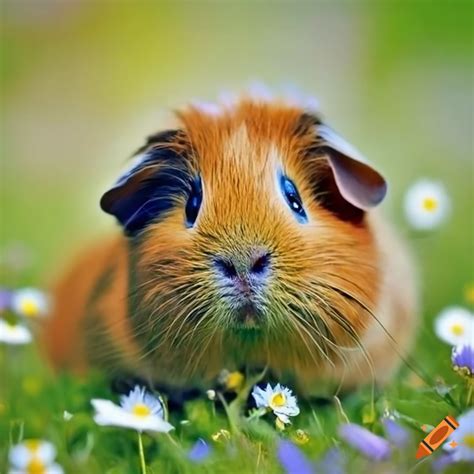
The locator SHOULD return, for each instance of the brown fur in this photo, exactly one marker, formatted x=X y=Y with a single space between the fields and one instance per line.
x=332 y=277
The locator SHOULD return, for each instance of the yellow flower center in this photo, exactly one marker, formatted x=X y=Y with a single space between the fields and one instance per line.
x=469 y=440
x=234 y=381
x=29 y=308
x=278 y=400
x=36 y=466
x=140 y=409
x=301 y=437
x=457 y=329
x=430 y=204
x=221 y=436
x=32 y=445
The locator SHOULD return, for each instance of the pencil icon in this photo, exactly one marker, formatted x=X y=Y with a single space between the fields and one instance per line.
x=436 y=436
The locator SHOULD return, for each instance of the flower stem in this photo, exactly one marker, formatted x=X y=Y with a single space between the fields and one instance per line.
x=257 y=413
x=469 y=393
x=142 y=453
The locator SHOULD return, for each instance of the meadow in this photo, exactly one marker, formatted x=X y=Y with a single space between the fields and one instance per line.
x=84 y=83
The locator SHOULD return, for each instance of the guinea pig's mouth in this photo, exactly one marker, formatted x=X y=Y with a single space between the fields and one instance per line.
x=248 y=316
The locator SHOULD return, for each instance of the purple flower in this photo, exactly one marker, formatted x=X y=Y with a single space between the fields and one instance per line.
x=440 y=463
x=200 y=451
x=396 y=434
x=332 y=462
x=370 y=445
x=463 y=360
x=292 y=459
x=5 y=299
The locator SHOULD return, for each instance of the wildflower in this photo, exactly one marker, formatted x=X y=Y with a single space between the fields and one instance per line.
x=138 y=410
x=463 y=438
x=396 y=433
x=34 y=456
x=426 y=204
x=370 y=445
x=200 y=451
x=332 y=462
x=280 y=400
x=300 y=437
x=5 y=299
x=211 y=394
x=292 y=459
x=279 y=425
x=221 y=436
x=463 y=360
x=14 y=334
x=455 y=325
x=441 y=462
x=29 y=302
x=67 y=416
x=232 y=381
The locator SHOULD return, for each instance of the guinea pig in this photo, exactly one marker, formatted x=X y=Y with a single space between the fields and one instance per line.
x=248 y=239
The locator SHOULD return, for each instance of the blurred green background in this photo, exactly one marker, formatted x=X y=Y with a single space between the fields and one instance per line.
x=84 y=81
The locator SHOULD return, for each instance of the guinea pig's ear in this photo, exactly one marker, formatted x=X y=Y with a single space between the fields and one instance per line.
x=150 y=185
x=357 y=181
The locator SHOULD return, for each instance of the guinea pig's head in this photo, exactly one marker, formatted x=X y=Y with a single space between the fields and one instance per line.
x=249 y=227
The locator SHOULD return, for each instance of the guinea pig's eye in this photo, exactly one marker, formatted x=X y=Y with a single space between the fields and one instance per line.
x=194 y=202
x=293 y=198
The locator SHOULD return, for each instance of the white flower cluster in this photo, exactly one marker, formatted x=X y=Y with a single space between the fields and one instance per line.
x=426 y=204
x=15 y=308
x=34 y=456
x=455 y=325
x=139 y=410
x=278 y=399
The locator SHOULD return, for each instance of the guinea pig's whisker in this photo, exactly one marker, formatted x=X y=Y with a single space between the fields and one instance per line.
x=164 y=337
x=203 y=350
x=332 y=313
x=192 y=331
x=197 y=308
x=298 y=323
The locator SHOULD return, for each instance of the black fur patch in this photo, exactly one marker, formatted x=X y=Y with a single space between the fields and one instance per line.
x=145 y=193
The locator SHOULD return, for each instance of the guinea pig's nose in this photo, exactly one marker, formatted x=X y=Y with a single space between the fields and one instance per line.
x=256 y=265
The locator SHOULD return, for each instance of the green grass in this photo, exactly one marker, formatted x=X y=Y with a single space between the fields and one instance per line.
x=78 y=90
x=33 y=400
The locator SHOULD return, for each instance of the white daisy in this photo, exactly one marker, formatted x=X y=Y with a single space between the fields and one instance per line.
x=138 y=410
x=280 y=400
x=29 y=302
x=455 y=325
x=426 y=204
x=461 y=441
x=34 y=456
x=14 y=334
